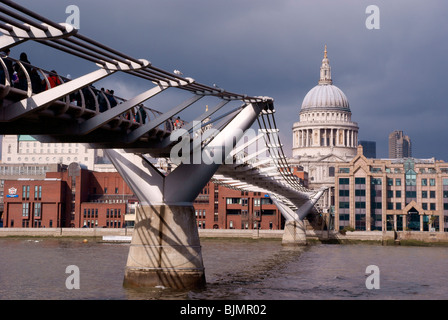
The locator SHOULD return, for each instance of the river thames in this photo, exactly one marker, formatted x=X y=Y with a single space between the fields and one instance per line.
x=35 y=269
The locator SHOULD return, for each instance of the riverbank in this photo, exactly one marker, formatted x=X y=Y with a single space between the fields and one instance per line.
x=313 y=236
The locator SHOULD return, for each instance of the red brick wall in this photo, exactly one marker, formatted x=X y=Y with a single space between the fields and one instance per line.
x=50 y=196
x=239 y=220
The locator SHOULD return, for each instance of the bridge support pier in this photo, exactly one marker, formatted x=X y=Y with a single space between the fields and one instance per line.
x=294 y=233
x=165 y=249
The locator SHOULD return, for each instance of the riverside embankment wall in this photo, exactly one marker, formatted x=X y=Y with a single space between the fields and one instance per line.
x=312 y=235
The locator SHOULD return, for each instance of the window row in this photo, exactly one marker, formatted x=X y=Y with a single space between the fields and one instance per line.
x=26 y=192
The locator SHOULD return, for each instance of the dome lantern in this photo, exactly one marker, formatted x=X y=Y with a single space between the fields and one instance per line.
x=325 y=70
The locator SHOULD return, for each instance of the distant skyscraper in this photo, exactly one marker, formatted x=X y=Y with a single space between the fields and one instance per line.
x=369 y=148
x=399 y=145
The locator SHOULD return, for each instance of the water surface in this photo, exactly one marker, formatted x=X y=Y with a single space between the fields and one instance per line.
x=235 y=269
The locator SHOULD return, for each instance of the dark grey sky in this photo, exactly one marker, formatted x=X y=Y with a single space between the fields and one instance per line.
x=394 y=77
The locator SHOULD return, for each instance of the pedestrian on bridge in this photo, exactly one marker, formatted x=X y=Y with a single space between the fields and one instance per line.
x=53 y=79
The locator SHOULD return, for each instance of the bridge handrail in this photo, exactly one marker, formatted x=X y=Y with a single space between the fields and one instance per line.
x=81 y=101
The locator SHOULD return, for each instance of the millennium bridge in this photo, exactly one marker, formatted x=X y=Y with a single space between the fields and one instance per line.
x=217 y=144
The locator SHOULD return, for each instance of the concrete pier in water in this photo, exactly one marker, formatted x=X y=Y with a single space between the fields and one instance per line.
x=294 y=233
x=165 y=249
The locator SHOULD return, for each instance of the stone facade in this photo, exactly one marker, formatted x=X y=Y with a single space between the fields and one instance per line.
x=392 y=194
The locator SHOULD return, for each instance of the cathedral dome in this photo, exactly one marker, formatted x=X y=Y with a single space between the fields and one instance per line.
x=325 y=96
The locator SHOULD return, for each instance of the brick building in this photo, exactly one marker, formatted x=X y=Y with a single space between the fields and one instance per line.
x=218 y=207
x=34 y=203
x=23 y=171
x=77 y=197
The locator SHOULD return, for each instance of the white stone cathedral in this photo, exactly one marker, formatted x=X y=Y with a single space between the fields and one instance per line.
x=325 y=134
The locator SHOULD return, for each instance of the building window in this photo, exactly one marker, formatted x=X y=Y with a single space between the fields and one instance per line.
x=345 y=193
x=424 y=182
x=37 y=209
x=432 y=194
x=344 y=205
x=432 y=206
x=376 y=222
x=424 y=206
x=398 y=182
x=360 y=222
x=432 y=182
x=398 y=194
x=25 y=209
x=398 y=206
x=411 y=194
x=37 y=192
x=25 y=192
x=360 y=180
x=331 y=171
x=411 y=178
x=360 y=205
x=344 y=180
x=360 y=192
x=233 y=200
x=424 y=194
x=266 y=201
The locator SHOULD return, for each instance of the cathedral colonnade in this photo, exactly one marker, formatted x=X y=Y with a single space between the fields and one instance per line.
x=325 y=137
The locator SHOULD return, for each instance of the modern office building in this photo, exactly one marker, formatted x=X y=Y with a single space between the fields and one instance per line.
x=325 y=135
x=400 y=145
x=392 y=194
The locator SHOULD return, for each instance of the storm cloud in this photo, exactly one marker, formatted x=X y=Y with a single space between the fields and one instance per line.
x=394 y=77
